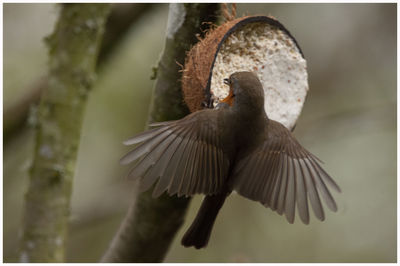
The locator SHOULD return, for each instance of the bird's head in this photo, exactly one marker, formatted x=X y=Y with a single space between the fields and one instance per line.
x=245 y=91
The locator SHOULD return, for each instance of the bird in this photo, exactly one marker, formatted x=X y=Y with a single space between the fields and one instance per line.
x=234 y=147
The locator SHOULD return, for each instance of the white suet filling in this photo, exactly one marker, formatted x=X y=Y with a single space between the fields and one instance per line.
x=269 y=52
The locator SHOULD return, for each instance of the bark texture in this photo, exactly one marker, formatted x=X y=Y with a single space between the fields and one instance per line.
x=151 y=224
x=73 y=49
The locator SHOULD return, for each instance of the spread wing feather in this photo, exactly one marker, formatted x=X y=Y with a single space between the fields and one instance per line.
x=185 y=156
x=282 y=175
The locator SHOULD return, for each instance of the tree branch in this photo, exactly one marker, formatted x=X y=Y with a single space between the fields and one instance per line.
x=151 y=224
x=16 y=114
x=73 y=49
x=121 y=19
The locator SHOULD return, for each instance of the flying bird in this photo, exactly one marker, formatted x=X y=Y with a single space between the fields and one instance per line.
x=234 y=147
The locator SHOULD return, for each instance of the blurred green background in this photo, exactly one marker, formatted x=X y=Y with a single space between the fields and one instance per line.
x=349 y=121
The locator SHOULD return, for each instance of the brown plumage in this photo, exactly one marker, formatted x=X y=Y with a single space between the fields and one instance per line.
x=234 y=147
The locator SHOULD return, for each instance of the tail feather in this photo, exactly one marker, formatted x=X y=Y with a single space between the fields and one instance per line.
x=199 y=232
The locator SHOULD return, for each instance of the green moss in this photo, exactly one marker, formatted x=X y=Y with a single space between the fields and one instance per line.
x=73 y=48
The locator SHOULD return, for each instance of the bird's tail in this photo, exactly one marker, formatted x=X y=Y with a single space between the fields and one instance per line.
x=199 y=232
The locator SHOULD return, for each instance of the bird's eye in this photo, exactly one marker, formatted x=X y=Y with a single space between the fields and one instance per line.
x=226 y=81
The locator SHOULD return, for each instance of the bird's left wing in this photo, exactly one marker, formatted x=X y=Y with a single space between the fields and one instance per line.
x=184 y=155
x=282 y=174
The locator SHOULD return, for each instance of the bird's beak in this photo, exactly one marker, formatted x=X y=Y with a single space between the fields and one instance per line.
x=229 y=98
x=226 y=81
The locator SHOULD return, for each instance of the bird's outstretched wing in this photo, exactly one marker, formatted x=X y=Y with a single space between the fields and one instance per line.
x=282 y=174
x=184 y=155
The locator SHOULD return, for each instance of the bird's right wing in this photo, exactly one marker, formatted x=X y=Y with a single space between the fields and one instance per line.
x=282 y=174
x=185 y=155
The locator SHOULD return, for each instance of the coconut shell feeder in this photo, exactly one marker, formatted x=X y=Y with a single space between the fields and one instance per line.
x=252 y=43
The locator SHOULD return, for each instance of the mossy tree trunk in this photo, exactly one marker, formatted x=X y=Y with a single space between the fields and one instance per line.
x=151 y=224
x=73 y=49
